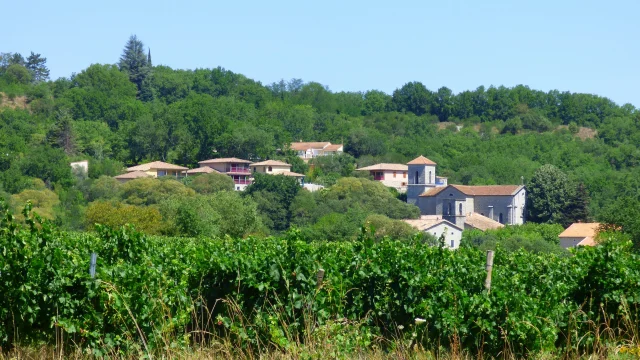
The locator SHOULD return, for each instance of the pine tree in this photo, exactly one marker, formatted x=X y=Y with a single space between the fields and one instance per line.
x=149 y=59
x=134 y=62
x=62 y=134
x=577 y=209
x=38 y=68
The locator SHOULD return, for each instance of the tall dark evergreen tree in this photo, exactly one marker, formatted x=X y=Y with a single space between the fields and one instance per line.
x=149 y=59
x=61 y=135
x=135 y=63
x=36 y=64
x=578 y=207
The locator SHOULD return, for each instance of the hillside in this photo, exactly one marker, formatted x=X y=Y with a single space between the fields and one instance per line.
x=114 y=119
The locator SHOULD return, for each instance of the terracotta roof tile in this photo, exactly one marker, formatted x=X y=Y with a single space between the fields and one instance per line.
x=225 y=160
x=159 y=165
x=201 y=170
x=303 y=146
x=334 y=147
x=488 y=190
x=481 y=222
x=384 y=166
x=132 y=175
x=433 y=191
x=581 y=230
x=421 y=160
x=271 y=163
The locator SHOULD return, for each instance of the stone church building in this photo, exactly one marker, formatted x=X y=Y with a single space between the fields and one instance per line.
x=455 y=203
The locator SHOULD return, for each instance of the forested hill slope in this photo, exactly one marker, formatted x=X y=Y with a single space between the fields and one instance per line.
x=133 y=112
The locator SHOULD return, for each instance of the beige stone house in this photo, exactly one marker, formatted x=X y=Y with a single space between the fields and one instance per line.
x=391 y=175
x=310 y=150
x=238 y=169
x=579 y=234
x=275 y=167
x=153 y=169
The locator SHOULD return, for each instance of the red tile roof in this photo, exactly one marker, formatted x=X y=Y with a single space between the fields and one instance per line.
x=224 y=161
x=421 y=160
x=384 y=166
x=271 y=163
x=201 y=170
x=159 y=165
x=303 y=146
x=581 y=230
x=481 y=190
x=132 y=175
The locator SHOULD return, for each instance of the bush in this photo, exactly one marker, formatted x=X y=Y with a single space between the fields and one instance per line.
x=149 y=191
x=210 y=183
x=114 y=214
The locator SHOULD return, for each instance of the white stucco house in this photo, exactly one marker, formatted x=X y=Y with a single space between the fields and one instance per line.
x=310 y=150
x=579 y=234
x=504 y=204
x=391 y=175
x=439 y=227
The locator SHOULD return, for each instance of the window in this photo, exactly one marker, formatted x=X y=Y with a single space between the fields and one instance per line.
x=162 y=172
x=449 y=209
x=500 y=219
x=394 y=174
x=270 y=169
x=404 y=175
x=459 y=209
x=452 y=243
x=430 y=182
x=416 y=179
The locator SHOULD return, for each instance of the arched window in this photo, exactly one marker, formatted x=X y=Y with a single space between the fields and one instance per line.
x=459 y=209
x=417 y=177
x=430 y=182
x=500 y=219
x=449 y=209
x=270 y=169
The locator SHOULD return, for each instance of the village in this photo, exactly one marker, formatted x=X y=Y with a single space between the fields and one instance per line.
x=446 y=209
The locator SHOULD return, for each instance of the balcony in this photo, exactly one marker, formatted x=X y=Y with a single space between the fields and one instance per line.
x=379 y=178
x=242 y=181
x=238 y=169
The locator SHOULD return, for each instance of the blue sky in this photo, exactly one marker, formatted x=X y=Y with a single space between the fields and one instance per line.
x=576 y=45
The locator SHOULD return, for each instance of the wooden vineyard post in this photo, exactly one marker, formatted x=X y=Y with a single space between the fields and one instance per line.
x=319 y=278
x=489 y=268
x=92 y=265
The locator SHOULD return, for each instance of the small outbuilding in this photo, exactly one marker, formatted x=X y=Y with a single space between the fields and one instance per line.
x=579 y=234
x=438 y=227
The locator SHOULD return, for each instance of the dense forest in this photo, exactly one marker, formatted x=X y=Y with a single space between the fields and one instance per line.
x=117 y=115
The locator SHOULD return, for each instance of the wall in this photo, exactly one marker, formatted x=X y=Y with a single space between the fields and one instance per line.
x=451 y=234
x=275 y=169
x=570 y=242
x=501 y=205
x=399 y=182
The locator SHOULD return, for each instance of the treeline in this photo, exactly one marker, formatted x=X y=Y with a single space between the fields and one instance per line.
x=132 y=112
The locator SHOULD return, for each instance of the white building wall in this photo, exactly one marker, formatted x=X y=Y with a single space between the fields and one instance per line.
x=452 y=235
x=570 y=242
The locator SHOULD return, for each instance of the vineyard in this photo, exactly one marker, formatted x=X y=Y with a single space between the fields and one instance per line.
x=152 y=294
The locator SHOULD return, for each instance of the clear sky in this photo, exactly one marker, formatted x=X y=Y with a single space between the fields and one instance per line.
x=590 y=46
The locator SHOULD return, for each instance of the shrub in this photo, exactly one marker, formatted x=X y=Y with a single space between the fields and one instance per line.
x=114 y=214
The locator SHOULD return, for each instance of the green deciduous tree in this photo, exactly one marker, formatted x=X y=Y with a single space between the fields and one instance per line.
x=549 y=194
x=211 y=183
